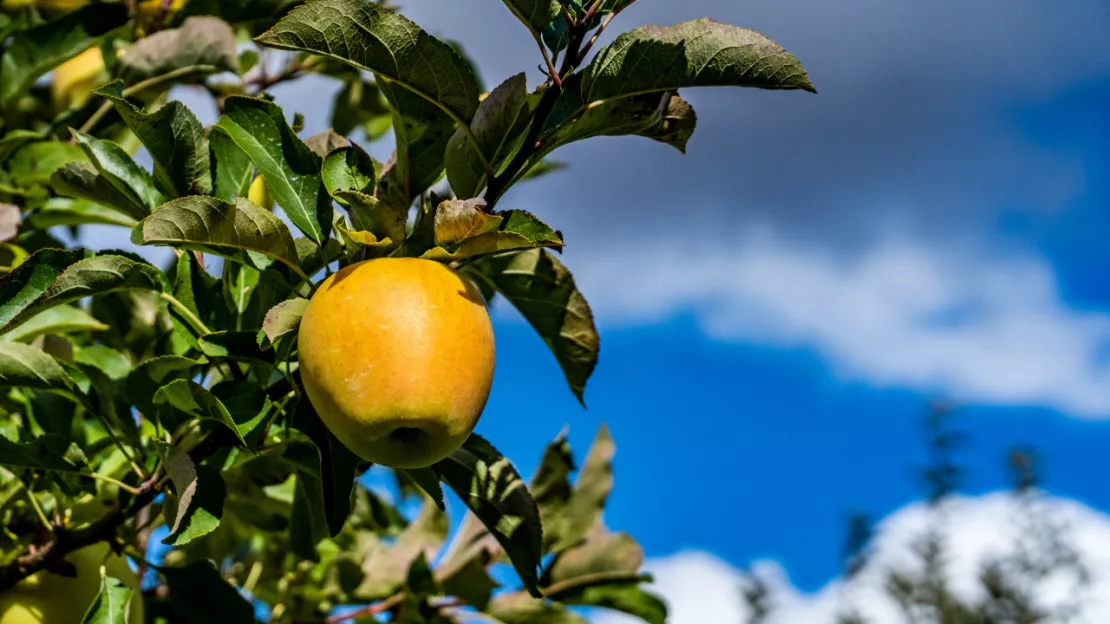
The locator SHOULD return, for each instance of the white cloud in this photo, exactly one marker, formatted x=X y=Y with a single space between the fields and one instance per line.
x=982 y=328
x=702 y=589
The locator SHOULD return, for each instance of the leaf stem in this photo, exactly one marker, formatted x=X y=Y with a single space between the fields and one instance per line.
x=134 y=491
x=38 y=509
x=139 y=87
x=187 y=313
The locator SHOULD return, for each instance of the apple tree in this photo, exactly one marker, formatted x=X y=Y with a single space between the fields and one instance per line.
x=157 y=406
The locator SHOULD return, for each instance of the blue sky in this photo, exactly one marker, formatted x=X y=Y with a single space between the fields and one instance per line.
x=778 y=306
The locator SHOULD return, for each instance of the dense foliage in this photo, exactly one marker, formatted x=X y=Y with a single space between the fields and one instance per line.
x=159 y=409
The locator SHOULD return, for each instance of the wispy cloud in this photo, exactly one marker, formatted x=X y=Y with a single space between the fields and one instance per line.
x=702 y=589
x=981 y=327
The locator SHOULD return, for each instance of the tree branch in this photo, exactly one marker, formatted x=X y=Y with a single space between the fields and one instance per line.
x=499 y=184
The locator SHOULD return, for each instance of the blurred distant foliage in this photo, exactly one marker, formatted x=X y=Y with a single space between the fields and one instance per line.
x=137 y=399
x=1013 y=585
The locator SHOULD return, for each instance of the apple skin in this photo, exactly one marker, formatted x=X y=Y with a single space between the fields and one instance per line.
x=74 y=78
x=397 y=357
x=46 y=598
x=259 y=194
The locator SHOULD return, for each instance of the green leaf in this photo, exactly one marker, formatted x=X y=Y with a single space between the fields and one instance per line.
x=149 y=376
x=48 y=452
x=360 y=104
x=291 y=169
x=422 y=132
x=697 y=53
x=491 y=487
x=175 y=139
x=65 y=211
x=35 y=51
x=111 y=604
x=386 y=568
x=373 y=37
x=57 y=320
x=496 y=126
x=182 y=400
x=326 y=142
x=472 y=583
x=34 y=163
x=349 y=168
x=463 y=230
x=627 y=597
x=241 y=231
x=544 y=292
x=42 y=287
x=114 y=364
x=82 y=181
x=240 y=346
x=200 y=46
x=197 y=502
x=569 y=514
x=520 y=608
x=427 y=479
x=231 y=168
x=371 y=215
x=335 y=474
x=283 y=320
x=663 y=117
x=198 y=593
x=249 y=406
x=24 y=366
x=535 y=14
x=602 y=553
x=117 y=167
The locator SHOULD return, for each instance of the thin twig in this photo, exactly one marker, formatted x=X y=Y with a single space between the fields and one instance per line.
x=139 y=87
x=134 y=491
x=374 y=609
x=597 y=35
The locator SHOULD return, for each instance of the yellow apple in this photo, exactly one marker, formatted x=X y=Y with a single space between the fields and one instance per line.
x=46 y=598
x=259 y=194
x=397 y=357
x=74 y=79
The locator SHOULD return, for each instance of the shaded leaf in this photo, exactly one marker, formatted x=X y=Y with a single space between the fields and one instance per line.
x=111 y=603
x=240 y=346
x=249 y=406
x=198 y=593
x=197 y=500
x=240 y=231
x=544 y=292
x=81 y=180
x=118 y=168
x=627 y=597
x=182 y=400
x=112 y=363
x=496 y=126
x=520 y=608
x=472 y=583
x=385 y=569
x=150 y=375
x=602 y=553
x=373 y=37
x=48 y=452
x=491 y=487
x=201 y=45
x=335 y=473
x=291 y=169
x=371 y=215
x=231 y=168
x=24 y=366
x=175 y=139
x=96 y=275
x=35 y=51
x=700 y=52
x=535 y=14
x=663 y=117
x=422 y=132
x=427 y=479
x=326 y=142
